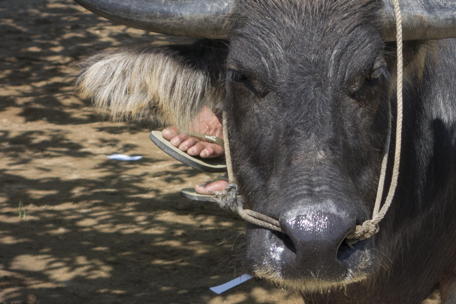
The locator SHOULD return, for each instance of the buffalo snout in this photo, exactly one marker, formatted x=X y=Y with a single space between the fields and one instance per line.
x=317 y=235
x=312 y=249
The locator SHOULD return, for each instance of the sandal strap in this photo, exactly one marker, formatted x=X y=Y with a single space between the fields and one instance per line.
x=209 y=138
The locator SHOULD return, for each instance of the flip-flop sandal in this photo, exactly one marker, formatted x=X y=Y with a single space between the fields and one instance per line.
x=208 y=165
x=191 y=194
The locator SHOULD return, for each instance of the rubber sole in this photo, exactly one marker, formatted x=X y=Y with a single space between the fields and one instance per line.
x=206 y=165
x=191 y=194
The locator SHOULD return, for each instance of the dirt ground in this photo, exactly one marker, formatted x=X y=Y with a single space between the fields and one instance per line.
x=74 y=226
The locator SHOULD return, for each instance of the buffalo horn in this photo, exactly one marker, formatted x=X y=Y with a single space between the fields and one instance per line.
x=422 y=19
x=191 y=18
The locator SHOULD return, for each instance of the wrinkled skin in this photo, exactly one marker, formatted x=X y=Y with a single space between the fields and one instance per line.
x=308 y=88
x=327 y=131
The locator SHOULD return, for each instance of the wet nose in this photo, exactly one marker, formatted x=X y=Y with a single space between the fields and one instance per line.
x=317 y=237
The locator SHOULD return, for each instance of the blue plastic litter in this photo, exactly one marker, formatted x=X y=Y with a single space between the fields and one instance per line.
x=123 y=157
x=231 y=284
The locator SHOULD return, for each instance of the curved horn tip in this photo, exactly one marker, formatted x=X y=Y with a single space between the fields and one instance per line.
x=192 y=18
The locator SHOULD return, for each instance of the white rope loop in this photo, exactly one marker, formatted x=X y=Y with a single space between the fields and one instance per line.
x=247 y=215
x=370 y=227
x=226 y=142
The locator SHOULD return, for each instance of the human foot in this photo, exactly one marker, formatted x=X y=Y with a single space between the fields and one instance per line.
x=211 y=187
x=206 y=122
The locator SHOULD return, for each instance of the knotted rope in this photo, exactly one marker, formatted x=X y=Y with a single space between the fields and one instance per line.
x=230 y=198
x=370 y=227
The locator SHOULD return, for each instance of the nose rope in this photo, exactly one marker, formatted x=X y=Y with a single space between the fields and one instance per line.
x=230 y=198
x=371 y=227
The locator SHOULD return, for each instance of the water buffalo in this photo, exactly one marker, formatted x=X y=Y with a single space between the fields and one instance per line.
x=307 y=86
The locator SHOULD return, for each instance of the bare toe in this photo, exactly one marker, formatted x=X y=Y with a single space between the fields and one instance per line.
x=177 y=140
x=196 y=149
x=207 y=152
x=188 y=143
x=212 y=151
x=170 y=132
x=212 y=187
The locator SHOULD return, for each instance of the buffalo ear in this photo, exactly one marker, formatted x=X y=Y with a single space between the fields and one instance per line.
x=422 y=20
x=165 y=84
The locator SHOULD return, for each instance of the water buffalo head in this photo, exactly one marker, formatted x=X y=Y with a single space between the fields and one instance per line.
x=307 y=91
x=306 y=94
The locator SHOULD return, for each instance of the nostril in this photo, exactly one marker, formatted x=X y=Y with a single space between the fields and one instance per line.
x=344 y=251
x=286 y=241
x=348 y=249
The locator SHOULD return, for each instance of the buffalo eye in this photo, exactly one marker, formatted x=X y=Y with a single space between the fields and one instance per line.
x=362 y=87
x=236 y=76
x=252 y=84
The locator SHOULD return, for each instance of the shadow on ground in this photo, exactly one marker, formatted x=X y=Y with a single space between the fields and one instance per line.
x=74 y=226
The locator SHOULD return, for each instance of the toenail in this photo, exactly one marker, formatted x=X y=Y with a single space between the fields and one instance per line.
x=205 y=153
x=183 y=147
